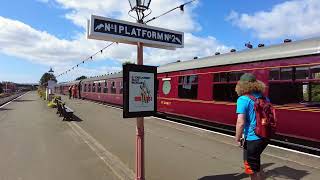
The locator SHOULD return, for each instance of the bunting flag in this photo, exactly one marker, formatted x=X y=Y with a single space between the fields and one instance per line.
x=89 y=58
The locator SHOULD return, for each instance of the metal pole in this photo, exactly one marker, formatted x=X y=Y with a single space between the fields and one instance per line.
x=140 y=129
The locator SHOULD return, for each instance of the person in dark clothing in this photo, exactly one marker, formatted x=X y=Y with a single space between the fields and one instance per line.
x=79 y=91
x=70 y=92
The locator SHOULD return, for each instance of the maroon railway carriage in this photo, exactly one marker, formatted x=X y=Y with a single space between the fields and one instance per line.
x=63 y=88
x=105 y=89
x=203 y=89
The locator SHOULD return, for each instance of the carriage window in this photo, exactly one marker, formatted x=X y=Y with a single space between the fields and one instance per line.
x=302 y=73
x=235 y=76
x=99 y=88
x=188 y=79
x=94 y=87
x=274 y=74
x=223 y=88
x=89 y=88
x=286 y=93
x=286 y=73
x=113 y=87
x=224 y=77
x=105 y=88
x=216 y=77
x=315 y=92
x=315 y=72
x=85 y=88
x=188 y=87
x=225 y=92
x=227 y=76
x=121 y=87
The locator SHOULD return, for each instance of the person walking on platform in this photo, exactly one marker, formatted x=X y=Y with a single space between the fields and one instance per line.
x=74 y=91
x=249 y=89
x=70 y=91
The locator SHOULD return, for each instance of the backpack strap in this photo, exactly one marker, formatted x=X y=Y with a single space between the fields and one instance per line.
x=251 y=97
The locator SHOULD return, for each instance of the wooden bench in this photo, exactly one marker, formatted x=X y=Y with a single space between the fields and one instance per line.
x=59 y=106
x=64 y=110
x=67 y=112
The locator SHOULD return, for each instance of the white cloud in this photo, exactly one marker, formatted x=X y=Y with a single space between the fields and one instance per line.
x=298 y=18
x=21 y=40
x=80 y=11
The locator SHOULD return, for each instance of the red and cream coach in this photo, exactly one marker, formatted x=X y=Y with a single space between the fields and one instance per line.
x=203 y=89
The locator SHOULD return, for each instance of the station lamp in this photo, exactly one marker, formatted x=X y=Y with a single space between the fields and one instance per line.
x=140 y=6
x=51 y=71
x=248 y=45
x=287 y=40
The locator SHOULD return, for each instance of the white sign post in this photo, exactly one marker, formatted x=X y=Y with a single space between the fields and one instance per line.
x=107 y=29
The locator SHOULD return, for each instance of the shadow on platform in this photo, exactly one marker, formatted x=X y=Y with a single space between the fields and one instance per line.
x=278 y=172
x=5 y=109
x=76 y=118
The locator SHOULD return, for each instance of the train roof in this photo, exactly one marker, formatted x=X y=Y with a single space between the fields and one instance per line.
x=70 y=82
x=110 y=76
x=99 y=78
x=291 y=49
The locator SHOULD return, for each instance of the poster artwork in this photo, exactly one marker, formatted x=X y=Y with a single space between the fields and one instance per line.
x=141 y=96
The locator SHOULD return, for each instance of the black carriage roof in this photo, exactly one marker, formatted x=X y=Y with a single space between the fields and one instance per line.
x=291 y=49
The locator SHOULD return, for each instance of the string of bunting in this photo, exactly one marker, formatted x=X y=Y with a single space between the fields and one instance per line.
x=87 y=59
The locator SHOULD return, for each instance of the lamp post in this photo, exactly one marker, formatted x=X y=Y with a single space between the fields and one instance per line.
x=51 y=71
x=48 y=89
x=140 y=7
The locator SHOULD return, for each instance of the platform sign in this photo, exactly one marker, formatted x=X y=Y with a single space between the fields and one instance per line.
x=139 y=90
x=107 y=29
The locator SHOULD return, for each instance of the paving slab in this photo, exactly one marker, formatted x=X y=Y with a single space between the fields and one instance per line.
x=176 y=152
x=36 y=145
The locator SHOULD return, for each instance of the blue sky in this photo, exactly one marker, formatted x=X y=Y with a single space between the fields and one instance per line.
x=38 y=34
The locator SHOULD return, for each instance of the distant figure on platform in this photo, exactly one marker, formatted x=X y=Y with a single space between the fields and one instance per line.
x=74 y=91
x=70 y=92
x=249 y=90
x=79 y=91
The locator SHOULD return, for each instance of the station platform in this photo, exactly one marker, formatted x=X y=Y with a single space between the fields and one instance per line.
x=100 y=144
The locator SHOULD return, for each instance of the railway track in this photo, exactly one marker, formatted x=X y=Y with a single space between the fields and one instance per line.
x=7 y=99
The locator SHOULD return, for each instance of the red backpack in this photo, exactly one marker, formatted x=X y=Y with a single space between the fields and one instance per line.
x=266 y=121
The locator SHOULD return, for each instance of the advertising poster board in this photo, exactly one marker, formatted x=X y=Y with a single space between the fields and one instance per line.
x=139 y=90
